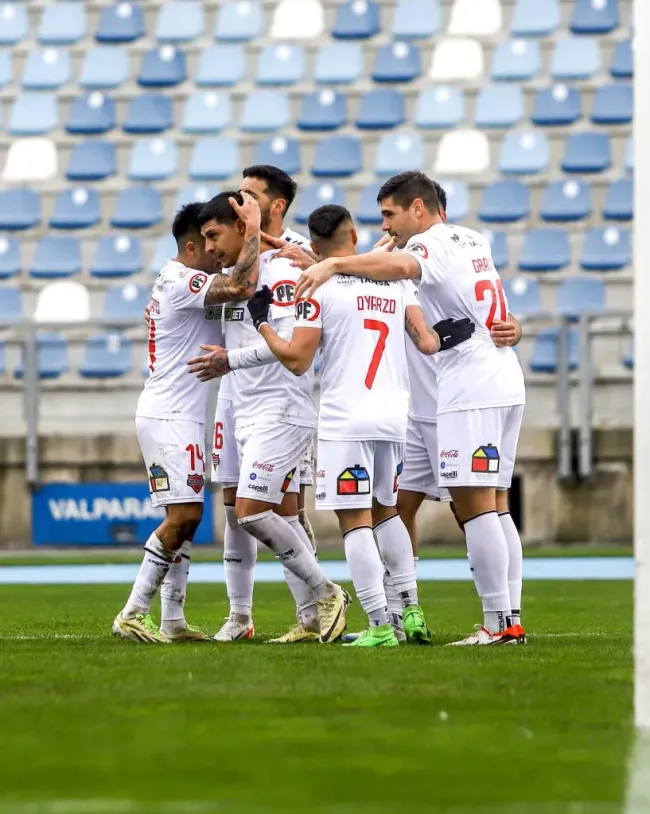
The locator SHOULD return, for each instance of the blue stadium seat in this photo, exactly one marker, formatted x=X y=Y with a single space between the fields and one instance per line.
x=629 y=156
x=499 y=106
x=591 y=17
x=91 y=114
x=180 y=21
x=439 y=108
x=11 y=305
x=106 y=356
x=220 y=65
x=367 y=240
x=322 y=110
x=356 y=19
x=56 y=256
x=523 y=295
x=51 y=354
x=399 y=152
x=121 y=22
x=106 y=66
x=566 y=200
x=19 y=209
x=515 y=60
x=535 y=18
x=505 y=202
x=92 y=161
x=154 y=159
x=579 y=294
x=46 y=69
x=575 y=58
x=239 y=21
x=398 y=62
x=381 y=109
x=499 y=246
x=280 y=152
x=280 y=65
x=524 y=152
x=545 y=250
x=557 y=105
x=339 y=63
x=6 y=70
x=314 y=195
x=628 y=357
x=116 y=256
x=126 y=301
x=622 y=66
x=194 y=193
x=586 y=152
x=10 y=264
x=137 y=208
x=13 y=23
x=416 y=19
x=165 y=248
x=33 y=114
x=62 y=23
x=337 y=156
x=163 y=67
x=544 y=358
x=613 y=104
x=619 y=200
x=214 y=158
x=265 y=111
x=606 y=249
x=368 y=211
x=206 y=111
x=149 y=113
x=77 y=208
x=458 y=200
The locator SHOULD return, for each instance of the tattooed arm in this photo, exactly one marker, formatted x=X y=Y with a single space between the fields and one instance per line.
x=425 y=339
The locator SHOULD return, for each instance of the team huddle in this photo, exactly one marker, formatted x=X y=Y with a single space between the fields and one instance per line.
x=421 y=397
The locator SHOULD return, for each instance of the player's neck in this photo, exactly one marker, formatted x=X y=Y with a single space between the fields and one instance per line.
x=432 y=220
x=276 y=229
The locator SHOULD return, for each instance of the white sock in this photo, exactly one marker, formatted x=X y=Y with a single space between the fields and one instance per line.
x=303 y=595
x=515 y=566
x=156 y=563
x=488 y=554
x=367 y=573
x=239 y=556
x=305 y=522
x=396 y=551
x=174 y=590
x=394 y=603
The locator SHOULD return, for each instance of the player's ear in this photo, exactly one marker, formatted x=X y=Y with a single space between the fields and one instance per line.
x=314 y=249
x=417 y=207
x=279 y=207
x=241 y=227
x=354 y=236
x=190 y=248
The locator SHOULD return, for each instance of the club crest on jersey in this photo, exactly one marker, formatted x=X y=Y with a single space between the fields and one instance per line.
x=353 y=481
x=486 y=460
x=288 y=479
x=308 y=310
x=158 y=479
x=419 y=249
x=398 y=472
x=283 y=293
x=197 y=281
x=195 y=482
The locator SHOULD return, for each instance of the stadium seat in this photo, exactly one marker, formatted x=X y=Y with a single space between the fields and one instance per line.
x=30 y=160
x=239 y=21
x=51 y=355
x=116 y=256
x=544 y=358
x=619 y=200
x=106 y=355
x=579 y=294
x=524 y=152
x=399 y=152
x=91 y=114
x=206 y=112
x=515 y=60
x=92 y=161
x=56 y=256
x=456 y=60
x=381 y=109
x=154 y=159
x=505 y=202
x=121 y=22
x=76 y=208
x=280 y=65
x=463 y=152
x=63 y=301
x=13 y=23
x=594 y=16
x=149 y=113
x=279 y=152
x=321 y=110
x=499 y=246
x=472 y=19
x=33 y=114
x=137 y=208
x=458 y=201
x=545 y=250
x=499 y=106
x=356 y=19
x=220 y=65
x=629 y=156
x=535 y=18
x=180 y=21
x=368 y=211
x=557 y=105
x=586 y=152
x=46 y=69
x=398 y=62
x=568 y=200
x=126 y=301
x=606 y=249
x=613 y=104
x=10 y=264
x=523 y=296
x=439 y=108
x=339 y=63
x=6 y=69
x=214 y=158
x=62 y=23
x=265 y=111
x=297 y=20
x=19 y=209
x=367 y=240
x=575 y=58
x=194 y=193
x=165 y=248
x=622 y=66
x=314 y=195
x=337 y=156
x=11 y=305
x=163 y=67
x=416 y=19
x=106 y=66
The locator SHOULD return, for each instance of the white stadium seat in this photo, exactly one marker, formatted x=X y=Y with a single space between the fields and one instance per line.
x=30 y=159
x=462 y=152
x=63 y=301
x=298 y=20
x=456 y=60
x=475 y=18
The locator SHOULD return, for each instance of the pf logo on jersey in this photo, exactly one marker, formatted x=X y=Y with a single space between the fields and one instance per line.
x=283 y=293
x=419 y=249
x=197 y=281
x=308 y=310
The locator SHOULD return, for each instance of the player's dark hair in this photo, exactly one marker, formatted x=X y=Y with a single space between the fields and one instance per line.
x=324 y=221
x=407 y=186
x=186 y=222
x=219 y=209
x=442 y=196
x=278 y=183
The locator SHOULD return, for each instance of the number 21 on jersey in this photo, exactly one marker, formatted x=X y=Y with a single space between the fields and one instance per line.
x=495 y=289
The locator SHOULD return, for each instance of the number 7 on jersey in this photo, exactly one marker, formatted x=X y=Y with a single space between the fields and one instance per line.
x=380 y=347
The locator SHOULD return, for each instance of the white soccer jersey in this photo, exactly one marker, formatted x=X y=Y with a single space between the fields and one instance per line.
x=459 y=280
x=180 y=323
x=364 y=384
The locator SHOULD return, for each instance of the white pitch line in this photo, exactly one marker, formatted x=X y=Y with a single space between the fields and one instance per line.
x=638 y=776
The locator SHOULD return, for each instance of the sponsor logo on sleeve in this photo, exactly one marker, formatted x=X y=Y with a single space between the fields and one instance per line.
x=197 y=281
x=486 y=460
x=283 y=293
x=195 y=482
x=420 y=249
x=158 y=479
x=307 y=310
x=353 y=481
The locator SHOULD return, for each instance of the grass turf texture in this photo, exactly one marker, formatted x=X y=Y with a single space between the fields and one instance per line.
x=249 y=728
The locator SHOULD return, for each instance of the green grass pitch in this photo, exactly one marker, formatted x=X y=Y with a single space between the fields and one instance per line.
x=93 y=725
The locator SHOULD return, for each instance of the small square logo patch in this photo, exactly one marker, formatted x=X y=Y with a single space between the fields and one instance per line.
x=353 y=481
x=486 y=460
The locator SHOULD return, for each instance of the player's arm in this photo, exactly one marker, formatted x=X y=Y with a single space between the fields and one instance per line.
x=446 y=334
x=506 y=334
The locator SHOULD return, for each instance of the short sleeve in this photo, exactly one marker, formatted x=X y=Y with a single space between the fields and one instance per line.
x=309 y=313
x=189 y=288
x=409 y=293
x=430 y=255
x=281 y=277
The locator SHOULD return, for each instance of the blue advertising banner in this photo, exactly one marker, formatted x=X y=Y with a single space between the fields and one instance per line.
x=100 y=514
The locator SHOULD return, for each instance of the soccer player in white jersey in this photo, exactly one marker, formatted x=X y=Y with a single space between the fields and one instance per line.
x=170 y=415
x=480 y=386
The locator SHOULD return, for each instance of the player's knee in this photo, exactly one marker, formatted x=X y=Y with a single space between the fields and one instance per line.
x=469 y=501
x=183 y=519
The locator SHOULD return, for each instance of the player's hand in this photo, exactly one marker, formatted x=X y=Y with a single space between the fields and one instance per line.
x=147 y=314
x=211 y=365
x=504 y=334
x=314 y=277
x=385 y=244
x=258 y=306
x=300 y=258
x=248 y=212
x=453 y=331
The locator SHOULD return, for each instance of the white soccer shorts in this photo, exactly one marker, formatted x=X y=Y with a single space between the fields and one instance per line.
x=479 y=447
x=421 y=461
x=173 y=452
x=269 y=462
x=225 y=459
x=307 y=467
x=351 y=473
